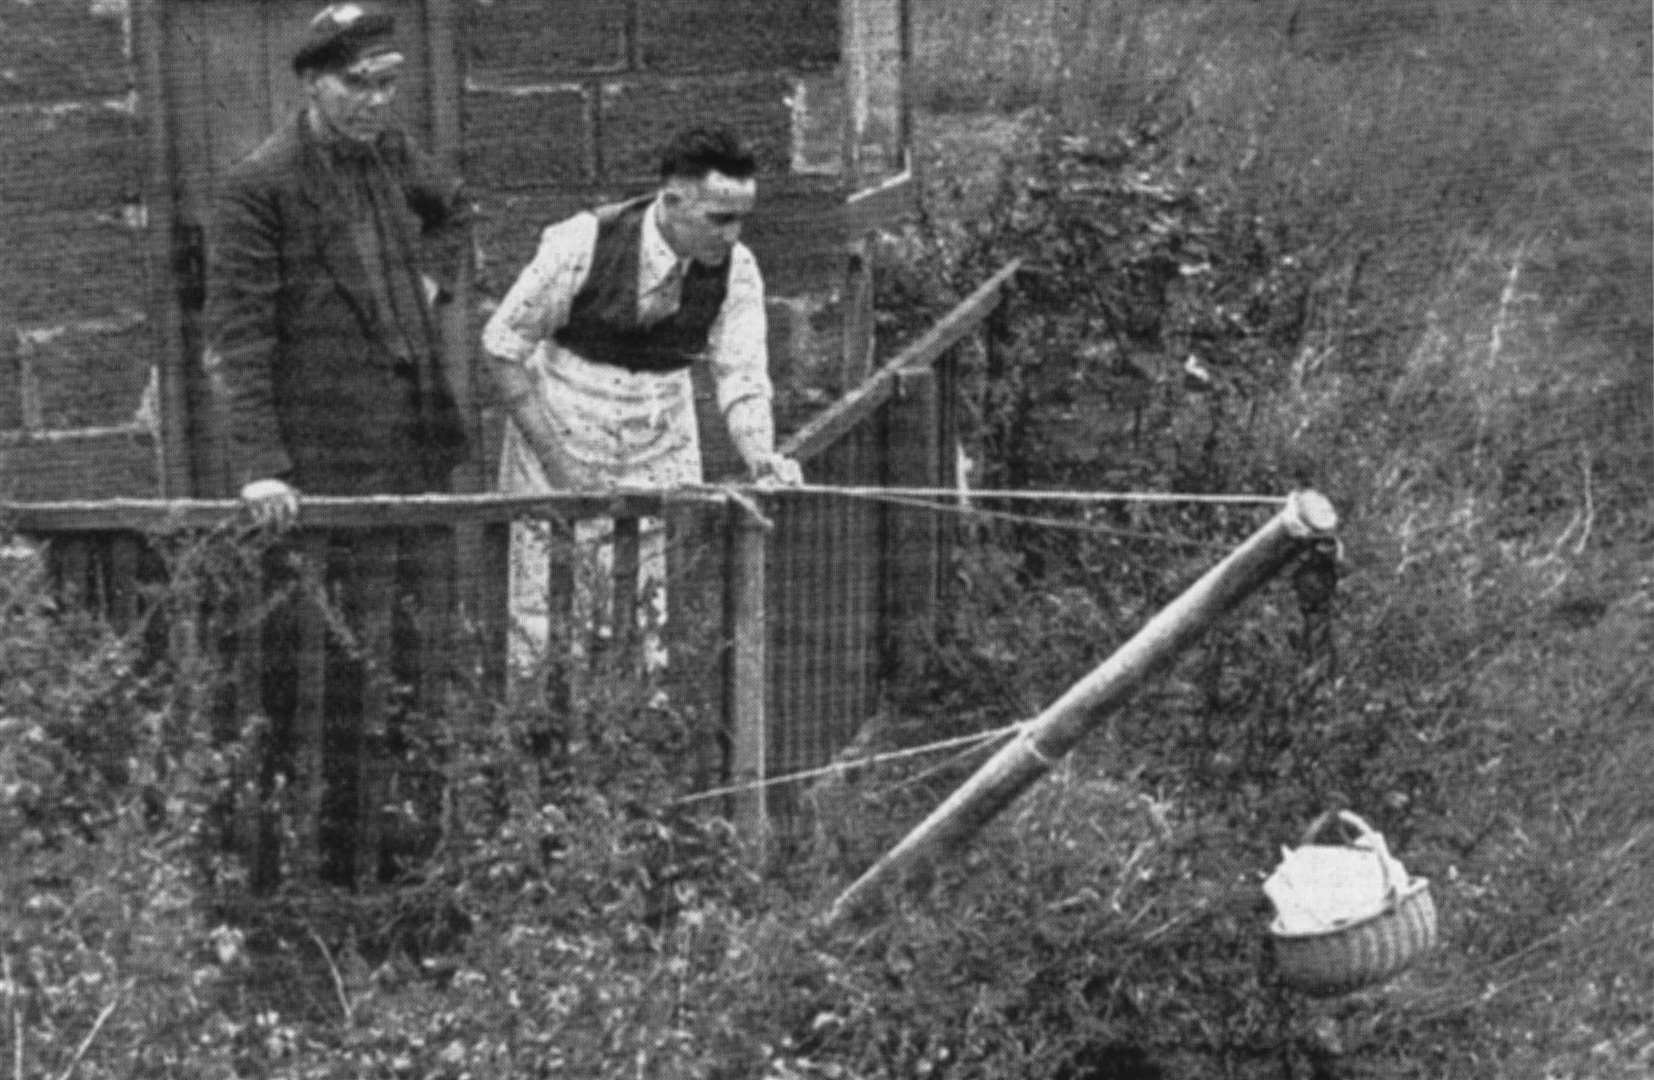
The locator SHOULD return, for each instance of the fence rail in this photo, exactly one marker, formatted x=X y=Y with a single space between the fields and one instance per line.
x=354 y=621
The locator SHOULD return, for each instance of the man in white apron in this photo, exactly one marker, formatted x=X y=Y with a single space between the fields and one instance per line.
x=592 y=349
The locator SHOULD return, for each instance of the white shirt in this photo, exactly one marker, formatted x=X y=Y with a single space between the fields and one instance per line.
x=622 y=427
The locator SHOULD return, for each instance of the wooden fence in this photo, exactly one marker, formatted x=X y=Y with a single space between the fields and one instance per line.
x=376 y=610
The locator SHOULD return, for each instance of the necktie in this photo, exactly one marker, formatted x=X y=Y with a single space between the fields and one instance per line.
x=664 y=297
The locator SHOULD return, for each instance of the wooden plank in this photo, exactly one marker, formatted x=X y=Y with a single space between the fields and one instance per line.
x=436 y=614
x=347 y=512
x=149 y=28
x=123 y=590
x=190 y=178
x=446 y=88
x=863 y=544
x=750 y=635
x=866 y=546
x=625 y=598
x=854 y=407
x=237 y=80
x=778 y=604
x=282 y=23
x=261 y=831
x=248 y=637
x=185 y=81
x=72 y=560
x=414 y=104
x=376 y=595
x=839 y=556
x=912 y=535
x=491 y=614
x=568 y=643
x=814 y=628
x=858 y=342
x=839 y=548
x=310 y=704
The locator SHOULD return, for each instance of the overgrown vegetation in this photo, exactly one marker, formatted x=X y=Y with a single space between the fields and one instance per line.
x=1397 y=252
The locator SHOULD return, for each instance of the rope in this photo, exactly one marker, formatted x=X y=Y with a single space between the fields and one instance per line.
x=1031 y=744
x=380 y=510
x=839 y=767
x=1088 y=527
x=1032 y=496
x=949 y=500
x=748 y=504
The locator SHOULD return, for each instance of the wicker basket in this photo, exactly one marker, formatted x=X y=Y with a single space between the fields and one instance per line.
x=1364 y=952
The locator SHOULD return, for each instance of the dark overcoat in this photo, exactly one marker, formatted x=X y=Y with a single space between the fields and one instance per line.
x=307 y=384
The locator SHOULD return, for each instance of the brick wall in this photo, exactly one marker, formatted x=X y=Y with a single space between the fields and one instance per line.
x=568 y=102
x=76 y=343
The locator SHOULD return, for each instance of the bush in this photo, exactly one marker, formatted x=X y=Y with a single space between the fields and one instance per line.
x=112 y=962
x=1231 y=287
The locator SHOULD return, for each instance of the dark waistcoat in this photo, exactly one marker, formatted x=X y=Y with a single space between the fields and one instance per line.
x=603 y=324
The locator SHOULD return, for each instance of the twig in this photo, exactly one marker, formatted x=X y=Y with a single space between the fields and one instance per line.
x=338 y=980
x=1589 y=510
x=97 y=1026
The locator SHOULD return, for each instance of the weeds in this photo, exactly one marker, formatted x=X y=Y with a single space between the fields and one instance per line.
x=1406 y=273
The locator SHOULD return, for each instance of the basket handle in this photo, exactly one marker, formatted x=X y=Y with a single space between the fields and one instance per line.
x=1363 y=831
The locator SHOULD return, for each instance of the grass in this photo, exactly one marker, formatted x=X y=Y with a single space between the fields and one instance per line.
x=1440 y=276
x=1471 y=185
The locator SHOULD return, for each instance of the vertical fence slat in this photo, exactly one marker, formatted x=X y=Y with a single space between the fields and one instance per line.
x=818 y=612
x=806 y=628
x=377 y=596
x=625 y=609
x=248 y=637
x=244 y=638
x=778 y=586
x=435 y=613
x=125 y=556
x=912 y=537
x=569 y=637
x=748 y=722
x=866 y=598
x=72 y=563
x=309 y=724
x=840 y=680
x=491 y=600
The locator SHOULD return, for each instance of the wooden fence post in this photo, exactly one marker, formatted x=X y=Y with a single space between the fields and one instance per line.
x=749 y=631
x=1306 y=519
x=912 y=539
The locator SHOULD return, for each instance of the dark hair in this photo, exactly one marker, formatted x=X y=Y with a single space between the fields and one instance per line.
x=700 y=150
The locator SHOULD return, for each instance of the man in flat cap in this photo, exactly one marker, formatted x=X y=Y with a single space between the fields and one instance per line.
x=330 y=248
x=333 y=240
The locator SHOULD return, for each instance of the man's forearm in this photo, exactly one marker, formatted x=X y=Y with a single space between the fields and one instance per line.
x=518 y=393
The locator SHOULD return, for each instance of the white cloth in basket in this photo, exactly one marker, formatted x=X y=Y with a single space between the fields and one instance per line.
x=1321 y=887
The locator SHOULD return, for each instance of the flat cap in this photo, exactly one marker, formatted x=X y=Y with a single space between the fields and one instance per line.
x=343 y=34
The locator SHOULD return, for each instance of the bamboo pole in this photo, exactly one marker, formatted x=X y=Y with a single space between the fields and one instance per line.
x=1306 y=519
